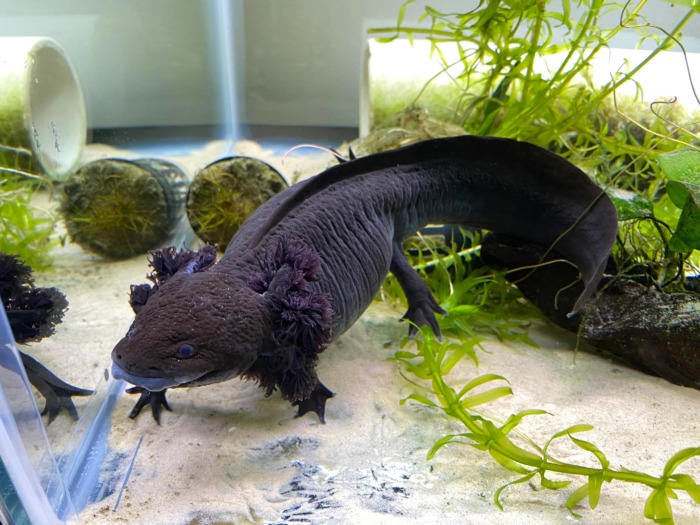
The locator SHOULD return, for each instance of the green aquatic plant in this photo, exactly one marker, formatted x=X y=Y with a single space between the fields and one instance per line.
x=429 y=361
x=465 y=290
x=478 y=302
x=682 y=170
x=26 y=230
x=502 y=89
x=498 y=87
x=660 y=226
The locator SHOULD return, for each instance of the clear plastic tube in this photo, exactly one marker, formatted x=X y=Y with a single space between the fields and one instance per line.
x=32 y=486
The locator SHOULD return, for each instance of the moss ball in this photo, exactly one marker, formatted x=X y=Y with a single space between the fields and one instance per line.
x=225 y=193
x=120 y=208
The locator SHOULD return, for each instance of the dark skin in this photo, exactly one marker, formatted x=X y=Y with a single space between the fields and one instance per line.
x=307 y=263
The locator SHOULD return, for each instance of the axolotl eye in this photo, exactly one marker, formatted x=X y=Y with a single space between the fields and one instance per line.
x=185 y=350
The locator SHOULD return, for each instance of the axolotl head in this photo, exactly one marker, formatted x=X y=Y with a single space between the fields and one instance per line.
x=194 y=330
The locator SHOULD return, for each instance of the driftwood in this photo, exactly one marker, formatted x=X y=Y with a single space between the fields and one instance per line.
x=656 y=332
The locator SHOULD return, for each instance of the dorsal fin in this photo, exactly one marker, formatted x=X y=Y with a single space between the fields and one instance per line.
x=341 y=172
x=510 y=152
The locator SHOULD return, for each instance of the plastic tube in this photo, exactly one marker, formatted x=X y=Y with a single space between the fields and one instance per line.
x=33 y=485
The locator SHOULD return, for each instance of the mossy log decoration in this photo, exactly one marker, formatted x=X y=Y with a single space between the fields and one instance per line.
x=224 y=194
x=119 y=208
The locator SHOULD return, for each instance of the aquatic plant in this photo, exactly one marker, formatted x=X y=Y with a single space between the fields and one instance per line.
x=498 y=89
x=479 y=302
x=25 y=229
x=501 y=90
x=660 y=227
x=430 y=361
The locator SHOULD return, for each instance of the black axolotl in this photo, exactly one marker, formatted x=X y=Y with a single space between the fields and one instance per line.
x=306 y=264
x=32 y=313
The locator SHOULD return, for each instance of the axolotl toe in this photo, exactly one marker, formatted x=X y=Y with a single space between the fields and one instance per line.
x=306 y=264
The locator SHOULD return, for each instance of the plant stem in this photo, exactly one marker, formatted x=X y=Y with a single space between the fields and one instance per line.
x=449 y=36
x=448 y=259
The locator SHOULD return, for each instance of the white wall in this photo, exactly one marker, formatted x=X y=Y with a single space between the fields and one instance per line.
x=139 y=62
x=153 y=62
x=303 y=58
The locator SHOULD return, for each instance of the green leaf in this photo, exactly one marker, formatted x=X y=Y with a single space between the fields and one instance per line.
x=439 y=444
x=514 y=419
x=486 y=397
x=508 y=463
x=595 y=482
x=576 y=497
x=678 y=458
x=402 y=12
x=658 y=507
x=630 y=205
x=463 y=309
x=553 y=485
x=497 y=494
x=507 y=447
x=682 y=170
x=590 y=447
x=687 y=235
x=478 y=381
x=420 y=399
x=567 y=432
x=688 y=484
x=457 y=352
x=566 y=10
x=487 y=13
x=404 y=355
x=419 y=371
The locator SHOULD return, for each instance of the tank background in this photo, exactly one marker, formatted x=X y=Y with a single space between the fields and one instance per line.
x=298 y=62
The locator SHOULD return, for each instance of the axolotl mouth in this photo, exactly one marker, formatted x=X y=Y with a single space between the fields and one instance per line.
x=152 y=384
x=157 y=384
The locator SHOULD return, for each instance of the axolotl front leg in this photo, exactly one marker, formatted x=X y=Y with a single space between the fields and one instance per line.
x=156 y=400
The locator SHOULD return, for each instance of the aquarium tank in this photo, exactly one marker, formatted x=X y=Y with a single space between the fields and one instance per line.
x=214 y=215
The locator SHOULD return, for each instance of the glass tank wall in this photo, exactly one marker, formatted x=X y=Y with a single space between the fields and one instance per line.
x=130 y=126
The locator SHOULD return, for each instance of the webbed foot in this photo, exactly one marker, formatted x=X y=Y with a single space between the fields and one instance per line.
x=422 y=306
x=316 y=402
x=156 y=400
x=57 y=392
x=422 y=312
